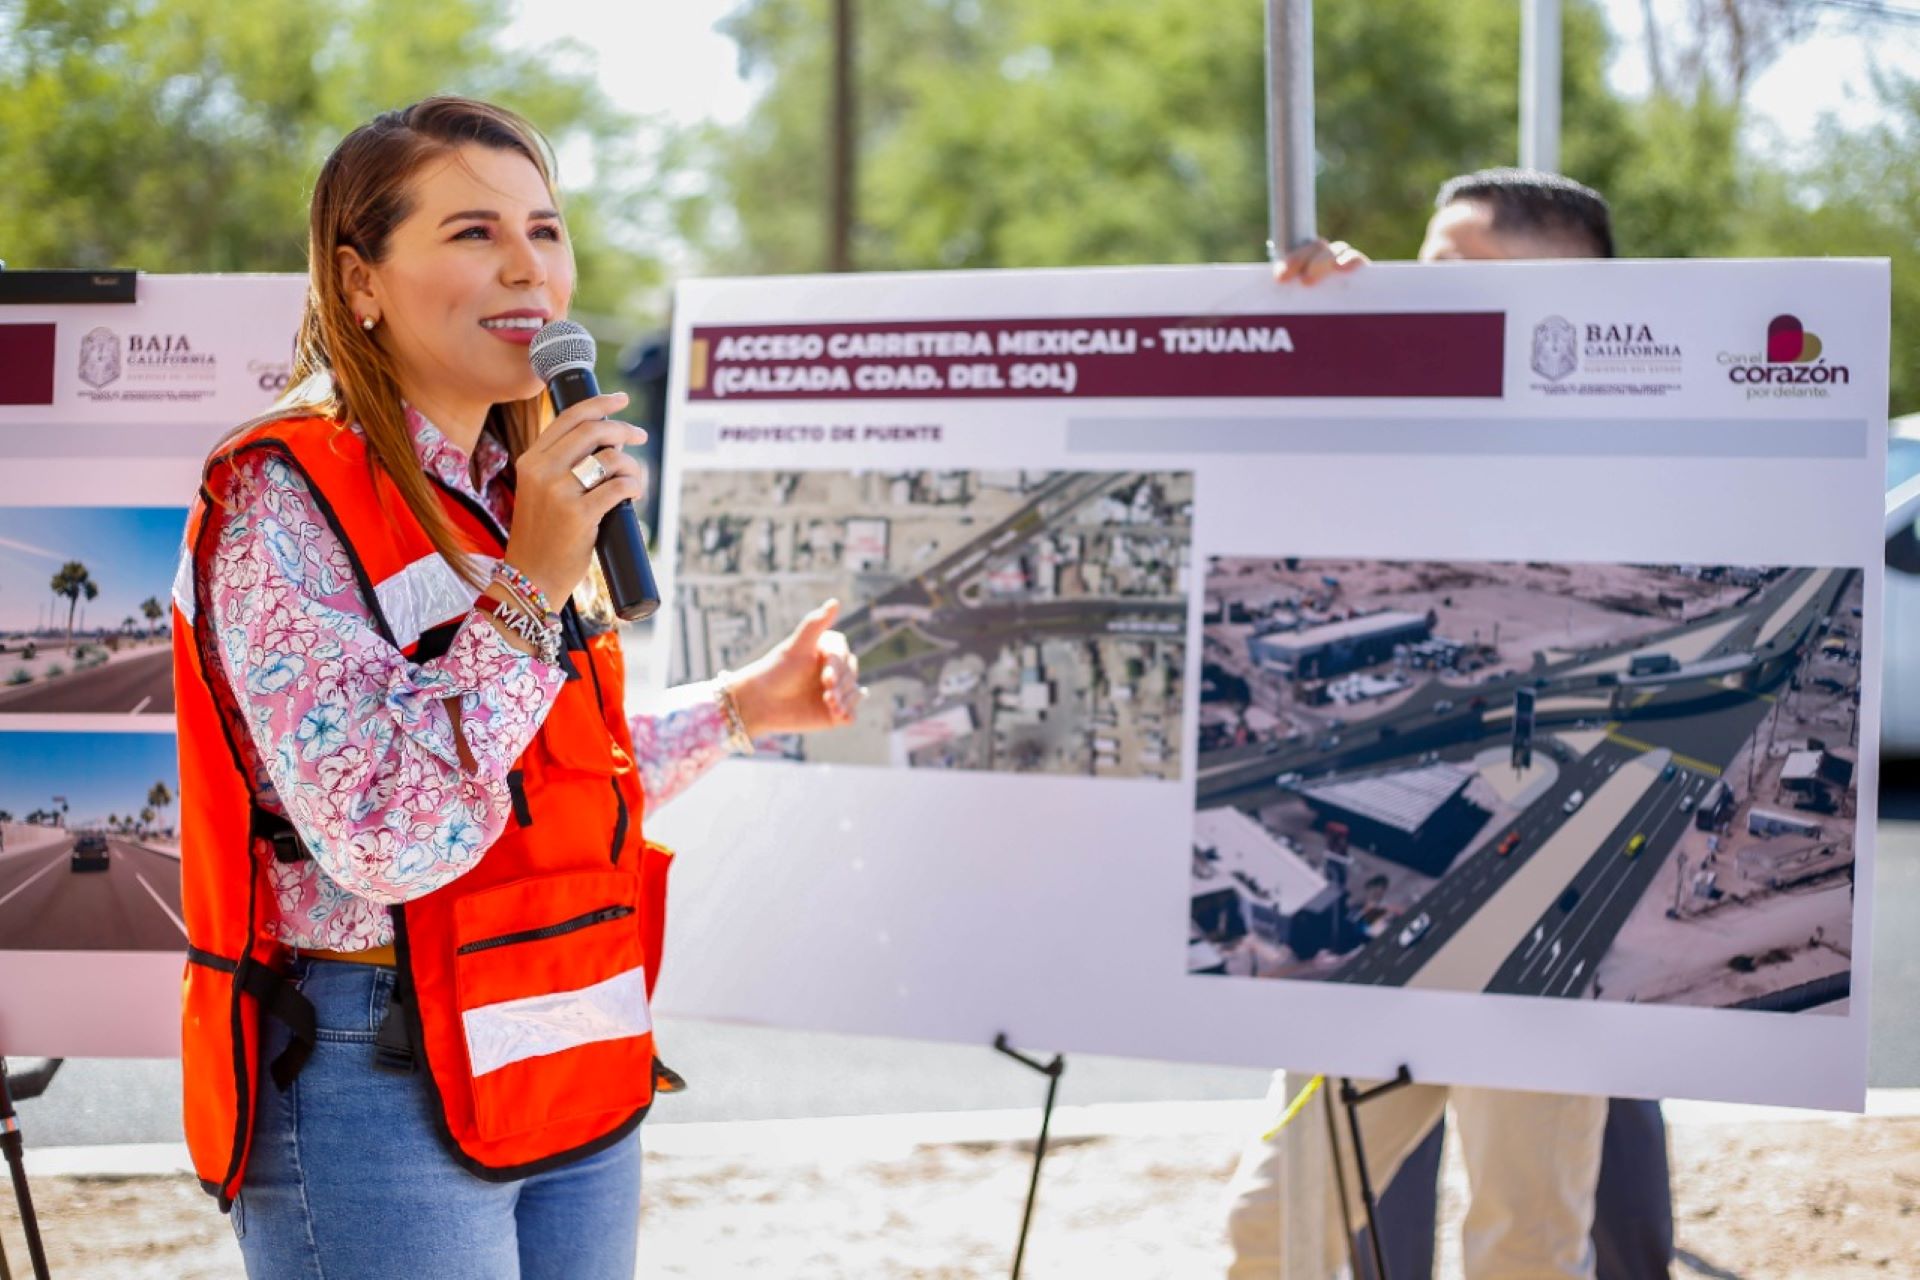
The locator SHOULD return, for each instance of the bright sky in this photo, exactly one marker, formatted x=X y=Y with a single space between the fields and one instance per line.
x=129 y=552
x=1826 y=73
x=654 y=57
x=668 y=58
x=100 y=774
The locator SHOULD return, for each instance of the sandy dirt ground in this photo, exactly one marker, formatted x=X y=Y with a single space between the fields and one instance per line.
x=1657 y=960
x=1528 y=607
x=1793 y=935
x=1826 y=1198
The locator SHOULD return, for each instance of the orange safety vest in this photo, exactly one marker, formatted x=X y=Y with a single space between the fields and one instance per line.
x=523 y=985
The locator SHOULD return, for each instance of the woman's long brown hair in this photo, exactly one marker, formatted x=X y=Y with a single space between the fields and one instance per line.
x=339 y=371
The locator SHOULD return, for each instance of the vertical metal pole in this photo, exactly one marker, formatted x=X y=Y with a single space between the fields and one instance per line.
x=1290 y=208
x=840 y=197
x=1540 y=85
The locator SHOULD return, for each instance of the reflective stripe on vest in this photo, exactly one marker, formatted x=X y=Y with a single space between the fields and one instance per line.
x=530 y=1025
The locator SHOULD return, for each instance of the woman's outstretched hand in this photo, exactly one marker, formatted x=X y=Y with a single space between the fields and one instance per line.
x=808 y=681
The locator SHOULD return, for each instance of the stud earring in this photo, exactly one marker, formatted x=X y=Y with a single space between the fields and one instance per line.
x=367 y=323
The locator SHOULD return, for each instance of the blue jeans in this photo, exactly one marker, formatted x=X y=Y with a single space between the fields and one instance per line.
x=349 y=1178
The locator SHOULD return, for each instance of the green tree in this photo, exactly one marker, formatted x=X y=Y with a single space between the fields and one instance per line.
x=1676 y=188
x=159 y=797
x=1722 y=44
x=73 y=582
x=184 y=135
x=998 y=133
x=153 y=611
x=1854 y=193
x=1003 y=133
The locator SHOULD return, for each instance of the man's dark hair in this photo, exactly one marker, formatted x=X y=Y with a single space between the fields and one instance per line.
x=1530 y=200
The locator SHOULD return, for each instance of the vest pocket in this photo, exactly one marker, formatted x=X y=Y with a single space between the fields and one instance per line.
x=550 y=977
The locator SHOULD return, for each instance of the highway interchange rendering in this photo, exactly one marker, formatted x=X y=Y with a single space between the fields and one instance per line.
x=1539 y=871
x=1014 y=621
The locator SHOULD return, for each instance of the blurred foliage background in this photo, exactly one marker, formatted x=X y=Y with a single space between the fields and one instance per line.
x=182 y=135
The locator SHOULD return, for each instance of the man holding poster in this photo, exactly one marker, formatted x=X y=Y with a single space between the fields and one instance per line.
x=1541 y=1165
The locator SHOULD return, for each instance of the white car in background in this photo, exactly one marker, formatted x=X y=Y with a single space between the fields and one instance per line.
x=1900 y=688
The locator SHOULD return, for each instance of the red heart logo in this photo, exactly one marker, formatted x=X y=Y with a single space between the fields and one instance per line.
x=1785 y=340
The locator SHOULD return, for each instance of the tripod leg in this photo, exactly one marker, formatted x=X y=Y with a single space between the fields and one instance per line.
x=1340 y=1184
x=14 y=1148
x=1351 y=1097
x=1052 y=1071
x=1033 y=1186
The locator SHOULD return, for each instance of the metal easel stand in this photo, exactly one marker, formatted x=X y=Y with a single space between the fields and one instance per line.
x=14 y=1148
x=1351 y=1098
x=1052 y=1071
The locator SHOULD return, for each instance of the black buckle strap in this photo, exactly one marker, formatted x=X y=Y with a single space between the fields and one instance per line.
x=573 y=639
x=281 y=1000
x=279 y=834
x=210 y=960
x=517 y=792
x=393 y=1043
x=666 y=1079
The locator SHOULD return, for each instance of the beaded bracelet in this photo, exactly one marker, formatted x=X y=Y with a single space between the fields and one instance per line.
x=514 y=580
x=737 y=736
x=527 y=606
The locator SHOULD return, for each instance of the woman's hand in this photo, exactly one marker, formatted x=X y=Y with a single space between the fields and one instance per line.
x=1315 y=260
x=555 y=517
x=809 y=681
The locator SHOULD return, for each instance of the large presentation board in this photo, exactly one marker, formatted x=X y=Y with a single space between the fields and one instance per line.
x=106 y=413
x=1473 y=667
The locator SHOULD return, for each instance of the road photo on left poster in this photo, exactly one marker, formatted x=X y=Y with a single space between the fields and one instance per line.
x=1589 y=781
x=85 y=625
x=89 y=853
x=1006 y=621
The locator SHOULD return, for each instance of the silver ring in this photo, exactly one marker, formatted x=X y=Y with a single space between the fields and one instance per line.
x=590 y=471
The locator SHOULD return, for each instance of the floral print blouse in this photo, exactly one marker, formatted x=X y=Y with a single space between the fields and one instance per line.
x=353 y=742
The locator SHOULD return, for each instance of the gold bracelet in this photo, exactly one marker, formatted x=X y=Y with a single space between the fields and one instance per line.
x=738 y=738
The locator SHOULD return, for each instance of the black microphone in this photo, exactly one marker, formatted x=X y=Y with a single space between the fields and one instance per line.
x=562 y=354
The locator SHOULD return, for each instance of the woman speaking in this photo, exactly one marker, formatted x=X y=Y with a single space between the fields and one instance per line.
x=424 y=920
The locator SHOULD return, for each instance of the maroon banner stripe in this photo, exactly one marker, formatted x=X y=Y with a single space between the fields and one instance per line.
x=26 y=364
x=1427 y=354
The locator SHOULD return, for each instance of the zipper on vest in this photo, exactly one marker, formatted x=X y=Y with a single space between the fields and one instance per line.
x=586 y=921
